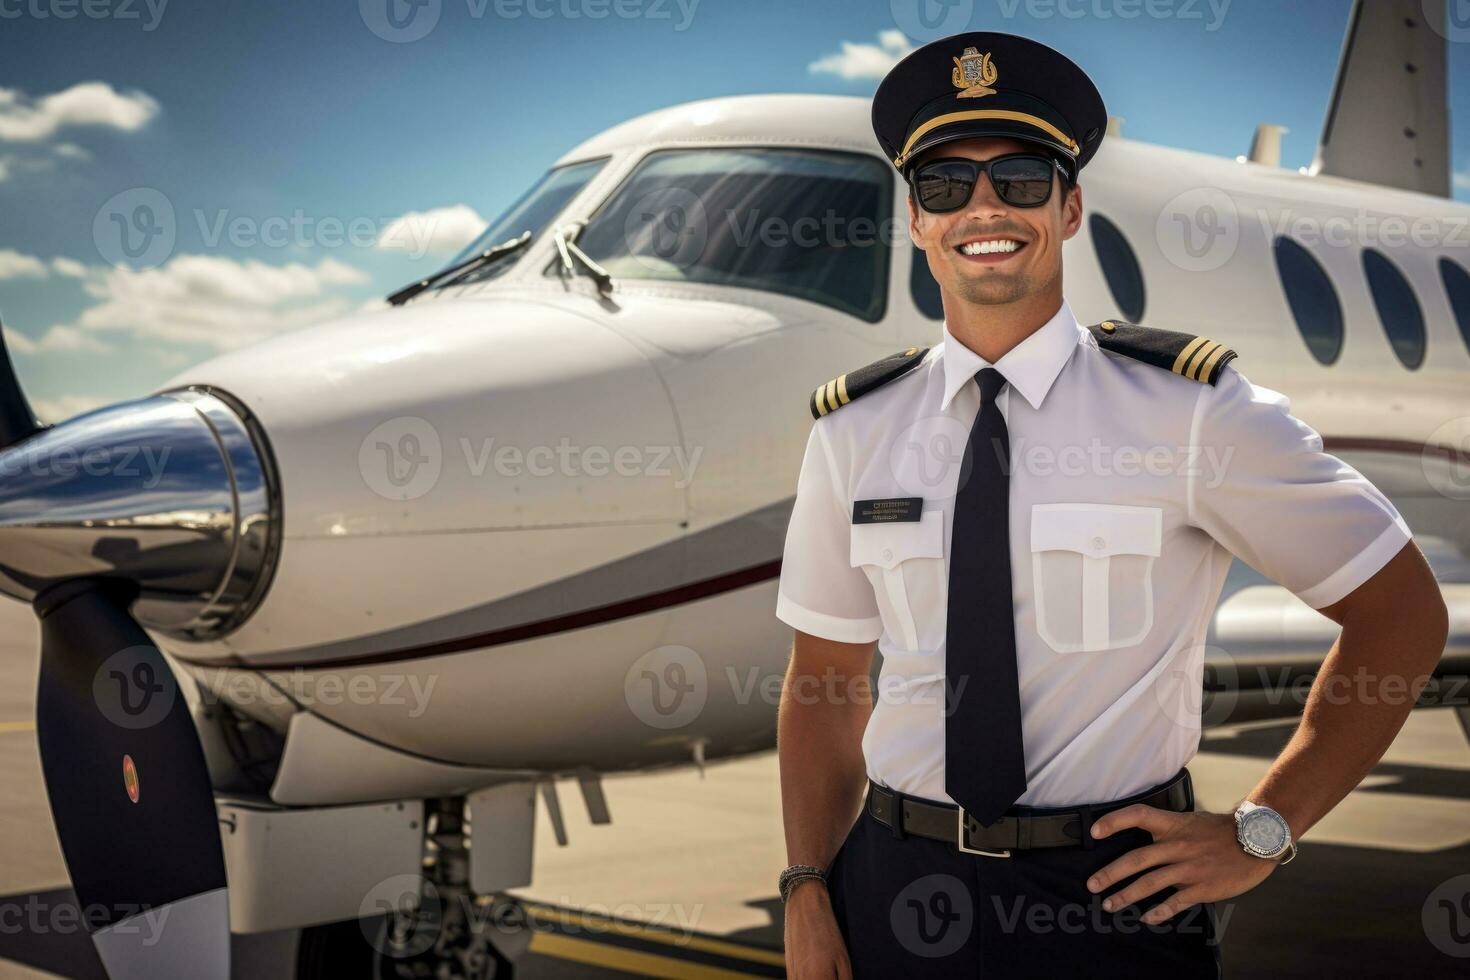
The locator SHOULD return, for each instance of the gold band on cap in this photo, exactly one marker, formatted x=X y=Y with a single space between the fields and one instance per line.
x=1010 y=114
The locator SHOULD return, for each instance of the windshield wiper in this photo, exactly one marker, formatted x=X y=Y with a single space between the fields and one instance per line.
x=566 y=243
x=461 y=269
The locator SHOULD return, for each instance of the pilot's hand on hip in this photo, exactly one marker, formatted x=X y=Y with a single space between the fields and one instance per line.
x=1196 y=852
x=814 y=946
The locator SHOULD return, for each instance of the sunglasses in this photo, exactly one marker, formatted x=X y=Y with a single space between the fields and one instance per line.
x=1022 y=180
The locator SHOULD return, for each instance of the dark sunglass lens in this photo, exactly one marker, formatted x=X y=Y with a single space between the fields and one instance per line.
x=1022 y=181
x=944 y=186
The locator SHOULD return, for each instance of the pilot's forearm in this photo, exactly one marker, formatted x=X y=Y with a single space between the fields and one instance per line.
x=1390 y=643
x=819 y=747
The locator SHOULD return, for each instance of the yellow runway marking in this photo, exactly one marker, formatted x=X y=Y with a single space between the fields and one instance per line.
x=17 y=726
x=594 y=953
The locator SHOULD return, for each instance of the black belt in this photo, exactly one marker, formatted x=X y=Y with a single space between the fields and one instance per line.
x=1017 y=830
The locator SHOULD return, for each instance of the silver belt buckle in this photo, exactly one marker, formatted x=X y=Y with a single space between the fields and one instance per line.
x=959 y=839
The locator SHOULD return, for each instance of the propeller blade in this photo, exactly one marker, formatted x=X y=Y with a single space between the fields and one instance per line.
x=129 y=789
x=17 y=421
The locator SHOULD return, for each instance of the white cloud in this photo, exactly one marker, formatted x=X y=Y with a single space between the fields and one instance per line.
x=58 y=338
x=215 y=300
x=53 y=410
x=864 y=60
x=24 y=119
x=14 y=265
x=71 y=151
x=438 y=230
x=70 y=268
x=1462 y=179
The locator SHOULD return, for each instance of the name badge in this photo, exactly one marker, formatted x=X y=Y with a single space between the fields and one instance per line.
x=888 y=509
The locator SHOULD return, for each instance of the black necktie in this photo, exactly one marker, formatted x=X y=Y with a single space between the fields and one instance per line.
x=984 y=763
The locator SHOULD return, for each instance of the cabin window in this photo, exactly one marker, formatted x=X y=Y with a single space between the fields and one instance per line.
x=1119 y=265
x=923 y=287
x=1457 y=288
x=1313 y=300
x=812 y=224
x=1398 y=308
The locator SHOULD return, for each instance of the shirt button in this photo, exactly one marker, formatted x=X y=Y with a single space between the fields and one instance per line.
x=1098 y=544
x=888 y=554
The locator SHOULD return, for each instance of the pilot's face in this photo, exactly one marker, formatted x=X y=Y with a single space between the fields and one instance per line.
x=1035 y=267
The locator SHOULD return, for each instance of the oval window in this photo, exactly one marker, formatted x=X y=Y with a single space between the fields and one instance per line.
x=1398 y=308
x=1119 y=265
x=1313 y=301
x=1457 y=288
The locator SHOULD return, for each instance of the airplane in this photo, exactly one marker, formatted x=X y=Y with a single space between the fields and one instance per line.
x=324 y=618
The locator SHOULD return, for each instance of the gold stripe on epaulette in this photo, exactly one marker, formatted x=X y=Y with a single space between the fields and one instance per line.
x=1208 y=364
x=831 y=387
x=1190 y=349
x=819 y=401
x=842 y=389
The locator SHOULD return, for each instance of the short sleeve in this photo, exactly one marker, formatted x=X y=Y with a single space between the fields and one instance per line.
x=1262 y=486
x=821 y=592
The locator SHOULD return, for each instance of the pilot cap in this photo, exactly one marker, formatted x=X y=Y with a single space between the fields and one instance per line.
x=984 y=83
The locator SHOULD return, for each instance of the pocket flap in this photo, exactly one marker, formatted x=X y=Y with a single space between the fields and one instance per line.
x=889 y=543
x=1099 y=530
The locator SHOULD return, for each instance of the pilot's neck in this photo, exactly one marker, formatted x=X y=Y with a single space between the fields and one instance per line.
x=991 y=329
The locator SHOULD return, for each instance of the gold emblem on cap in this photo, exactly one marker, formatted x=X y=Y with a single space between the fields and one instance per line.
x=973 y=73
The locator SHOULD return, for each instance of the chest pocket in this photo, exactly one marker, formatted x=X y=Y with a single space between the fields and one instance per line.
x=1092 y=573
x=904 y=561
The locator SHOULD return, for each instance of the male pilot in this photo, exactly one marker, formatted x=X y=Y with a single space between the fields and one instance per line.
x=1041 y=598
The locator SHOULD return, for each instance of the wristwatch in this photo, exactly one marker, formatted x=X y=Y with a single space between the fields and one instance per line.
x=1263 y=832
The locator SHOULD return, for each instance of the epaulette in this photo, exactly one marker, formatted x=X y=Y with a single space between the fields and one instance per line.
x=844 y=388
x=1197 y=358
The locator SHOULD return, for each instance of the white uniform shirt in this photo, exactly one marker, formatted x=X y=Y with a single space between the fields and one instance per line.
x=1131 y=486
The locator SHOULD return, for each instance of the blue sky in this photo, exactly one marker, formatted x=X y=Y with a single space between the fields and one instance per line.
x=311 y=131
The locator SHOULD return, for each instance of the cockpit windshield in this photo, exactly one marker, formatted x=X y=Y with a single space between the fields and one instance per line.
x=531 y=212
x=814 y=224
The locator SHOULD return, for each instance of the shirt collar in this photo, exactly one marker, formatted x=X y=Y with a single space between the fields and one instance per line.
x=1031 y=366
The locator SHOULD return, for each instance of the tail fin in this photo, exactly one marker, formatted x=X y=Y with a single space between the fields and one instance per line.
x=1389 y=119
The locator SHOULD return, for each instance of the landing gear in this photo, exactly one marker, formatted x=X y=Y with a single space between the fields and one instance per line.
x=438 y=929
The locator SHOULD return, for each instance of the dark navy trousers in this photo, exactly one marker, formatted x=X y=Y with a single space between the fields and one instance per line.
x=921 y=907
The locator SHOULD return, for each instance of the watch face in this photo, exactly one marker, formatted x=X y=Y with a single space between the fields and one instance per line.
x=1263 y=830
